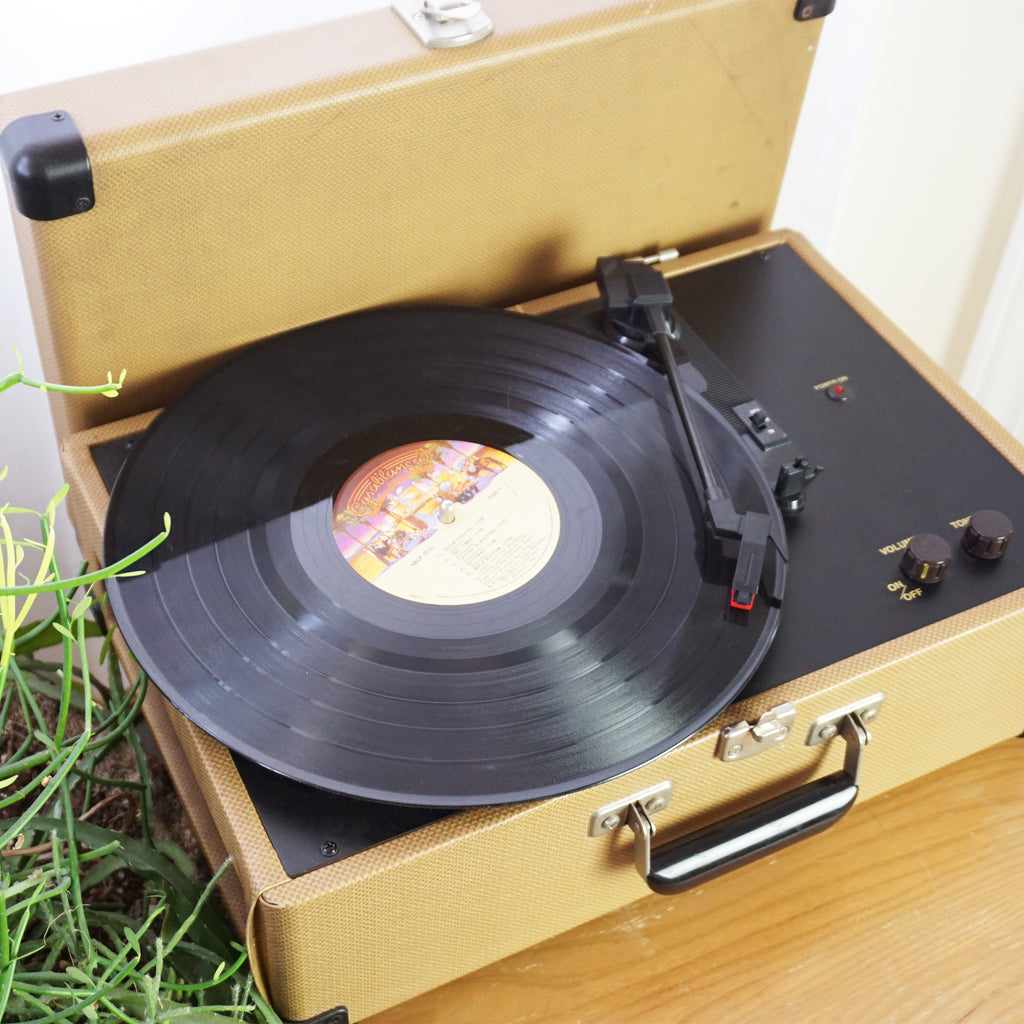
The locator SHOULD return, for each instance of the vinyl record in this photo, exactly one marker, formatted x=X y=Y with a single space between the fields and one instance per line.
x=440 y=557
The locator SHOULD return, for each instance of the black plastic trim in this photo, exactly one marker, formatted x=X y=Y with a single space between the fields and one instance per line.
x=808 y=10
x=339 y=1015
x=47 y=166
x=742 y=838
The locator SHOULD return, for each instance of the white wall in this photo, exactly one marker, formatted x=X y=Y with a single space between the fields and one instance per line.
x=823 y=146
x=937 y=168
x=907 y=170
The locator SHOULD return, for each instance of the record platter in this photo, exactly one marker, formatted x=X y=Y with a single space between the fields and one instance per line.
x=576 y=615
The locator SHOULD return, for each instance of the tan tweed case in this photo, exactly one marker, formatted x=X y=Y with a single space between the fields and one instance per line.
x=377 y=928
x=251 y=189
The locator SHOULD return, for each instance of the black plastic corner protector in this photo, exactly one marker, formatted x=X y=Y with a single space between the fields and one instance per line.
x=47 y=166
x=808 y=10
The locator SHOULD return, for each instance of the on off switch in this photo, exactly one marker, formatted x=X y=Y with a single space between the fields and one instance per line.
x=760 y=426
x=926 y=558
x=988 y=534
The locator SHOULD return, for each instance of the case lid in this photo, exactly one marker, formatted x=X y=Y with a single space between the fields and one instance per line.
x=249 y=189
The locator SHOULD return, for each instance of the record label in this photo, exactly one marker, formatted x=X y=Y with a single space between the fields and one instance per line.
x=446 y=522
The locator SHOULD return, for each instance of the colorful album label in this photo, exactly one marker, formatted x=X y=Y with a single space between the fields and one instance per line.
x=446 y=522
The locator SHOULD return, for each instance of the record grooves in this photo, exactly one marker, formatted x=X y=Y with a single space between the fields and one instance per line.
x=615 y=644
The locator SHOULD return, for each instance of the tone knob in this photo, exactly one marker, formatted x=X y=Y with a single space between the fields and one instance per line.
x=926 y=558
x=988 y=534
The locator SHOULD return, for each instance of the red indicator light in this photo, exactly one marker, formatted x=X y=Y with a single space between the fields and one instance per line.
x=839 y=389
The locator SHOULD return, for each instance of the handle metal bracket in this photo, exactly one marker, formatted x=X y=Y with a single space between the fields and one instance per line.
x=609 y=817
x=824 y=727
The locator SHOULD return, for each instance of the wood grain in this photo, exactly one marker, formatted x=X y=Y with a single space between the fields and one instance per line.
x=908 y=910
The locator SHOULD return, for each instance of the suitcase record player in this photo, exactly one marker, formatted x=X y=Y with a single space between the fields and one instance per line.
x=699 y=507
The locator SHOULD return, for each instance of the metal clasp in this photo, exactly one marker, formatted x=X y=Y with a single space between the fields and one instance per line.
x=444 y=23
x=743 y=739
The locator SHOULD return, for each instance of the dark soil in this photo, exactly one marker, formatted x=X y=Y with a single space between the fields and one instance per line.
x=111 y=806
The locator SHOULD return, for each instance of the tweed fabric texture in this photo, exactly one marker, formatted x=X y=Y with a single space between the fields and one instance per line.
x=244 y=191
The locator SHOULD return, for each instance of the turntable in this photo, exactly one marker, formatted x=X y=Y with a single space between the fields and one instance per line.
x=458 y=602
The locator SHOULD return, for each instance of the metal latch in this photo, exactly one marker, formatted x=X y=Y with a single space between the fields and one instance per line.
x=744 y=739
x=444 y=23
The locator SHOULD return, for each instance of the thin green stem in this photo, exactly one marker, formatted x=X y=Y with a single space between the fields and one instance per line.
x=220 y=976
x=88 y=579
x=68 y=1014
x=109 y=389
x=74 y=867
x=63 y=764
x=124 y=721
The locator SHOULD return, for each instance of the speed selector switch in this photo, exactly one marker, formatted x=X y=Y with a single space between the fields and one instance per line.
x=988 y=534
x=926 y=558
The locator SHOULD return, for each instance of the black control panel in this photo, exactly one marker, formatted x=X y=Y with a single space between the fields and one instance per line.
x=899 y=461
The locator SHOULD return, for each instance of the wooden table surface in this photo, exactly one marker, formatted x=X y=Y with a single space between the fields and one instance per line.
x=910 y=909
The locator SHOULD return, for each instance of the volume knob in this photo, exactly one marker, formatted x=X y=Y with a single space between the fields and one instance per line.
x=988 y=534
x=926 y=558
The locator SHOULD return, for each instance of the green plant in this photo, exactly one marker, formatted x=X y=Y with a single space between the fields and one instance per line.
x=100 y=918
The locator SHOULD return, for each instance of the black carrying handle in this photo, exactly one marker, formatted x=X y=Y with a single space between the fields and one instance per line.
x=728 y=844
x=711 y=851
